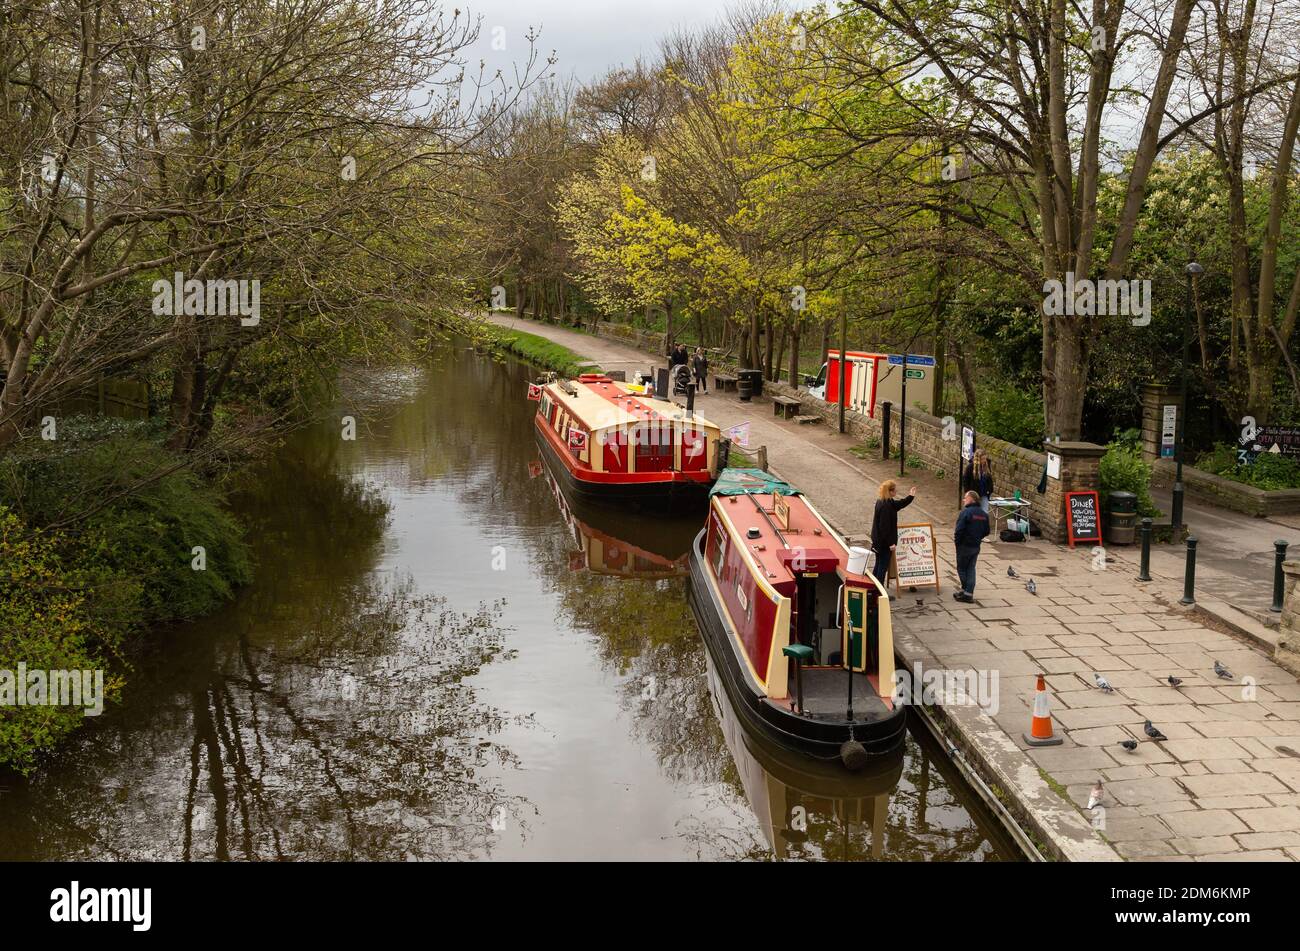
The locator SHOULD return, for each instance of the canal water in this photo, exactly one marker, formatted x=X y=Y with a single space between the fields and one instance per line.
x=441 y=659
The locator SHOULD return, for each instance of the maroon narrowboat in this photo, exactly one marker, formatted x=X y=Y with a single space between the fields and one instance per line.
x=800 y=633
x=609 y=441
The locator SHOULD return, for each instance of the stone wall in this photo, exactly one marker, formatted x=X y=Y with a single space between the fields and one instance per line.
x=1013 y=466
x=1155 y=397
x=1226 y=493
x=1287 y=653
x=1205 y=486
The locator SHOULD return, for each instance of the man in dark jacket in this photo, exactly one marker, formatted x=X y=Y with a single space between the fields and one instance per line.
x=972 y=526
x=884 y=527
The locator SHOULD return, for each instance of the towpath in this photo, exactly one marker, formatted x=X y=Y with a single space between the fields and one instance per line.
x=1225 y=785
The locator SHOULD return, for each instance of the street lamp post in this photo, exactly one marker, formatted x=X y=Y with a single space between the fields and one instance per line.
x=1176 y=506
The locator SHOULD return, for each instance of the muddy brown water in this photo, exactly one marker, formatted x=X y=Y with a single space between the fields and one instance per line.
x=442 y=659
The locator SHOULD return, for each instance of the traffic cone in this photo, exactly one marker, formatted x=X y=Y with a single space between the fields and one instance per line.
x=1040 y=732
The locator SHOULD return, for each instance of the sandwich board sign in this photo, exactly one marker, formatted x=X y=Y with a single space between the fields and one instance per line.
x=914 y=560
x=1083 y=517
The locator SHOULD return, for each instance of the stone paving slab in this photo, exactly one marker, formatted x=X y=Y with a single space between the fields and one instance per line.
x=1226 y=784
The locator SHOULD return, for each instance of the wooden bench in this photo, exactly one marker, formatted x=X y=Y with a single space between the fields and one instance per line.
x=724 y=382
x=787 y=407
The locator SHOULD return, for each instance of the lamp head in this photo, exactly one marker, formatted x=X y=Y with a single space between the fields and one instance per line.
x=1194 y=268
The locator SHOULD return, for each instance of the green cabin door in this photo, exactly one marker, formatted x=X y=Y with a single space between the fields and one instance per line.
x=854 y=636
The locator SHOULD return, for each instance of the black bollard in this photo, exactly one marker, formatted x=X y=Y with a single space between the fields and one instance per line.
x=885 y=407
x=1279 y=583
x=1189 y=579
x=1144 y=570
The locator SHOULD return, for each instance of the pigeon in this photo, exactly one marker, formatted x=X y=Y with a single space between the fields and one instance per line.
x=1153 y=732
x=1129 y=745
x=1011 y=572
x=1094 y=797
x=1031 y=587
x=1103 y=683
x=1222 y=671
x=1173 y=681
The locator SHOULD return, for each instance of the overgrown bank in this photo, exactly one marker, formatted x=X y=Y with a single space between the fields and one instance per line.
x=103 y=536
x=528 y=347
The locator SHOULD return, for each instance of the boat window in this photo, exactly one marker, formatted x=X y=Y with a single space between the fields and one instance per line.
x=719 y=548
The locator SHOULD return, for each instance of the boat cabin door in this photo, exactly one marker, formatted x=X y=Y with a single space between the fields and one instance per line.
x=860 y=641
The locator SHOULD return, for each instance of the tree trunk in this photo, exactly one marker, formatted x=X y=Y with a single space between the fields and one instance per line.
x=967 y=381
x=769 y=339
x=794 y=354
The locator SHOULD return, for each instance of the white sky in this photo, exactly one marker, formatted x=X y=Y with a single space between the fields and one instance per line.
x=588 y=36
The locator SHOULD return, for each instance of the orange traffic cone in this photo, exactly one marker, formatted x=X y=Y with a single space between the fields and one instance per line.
x=1040 y=732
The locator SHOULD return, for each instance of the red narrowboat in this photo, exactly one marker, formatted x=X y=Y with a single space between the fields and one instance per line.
x=609 y=441
x=800 y=632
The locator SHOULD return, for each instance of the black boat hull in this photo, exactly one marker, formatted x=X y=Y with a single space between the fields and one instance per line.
x=820 y=738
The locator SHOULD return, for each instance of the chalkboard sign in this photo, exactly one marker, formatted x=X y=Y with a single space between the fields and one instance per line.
x=1083 y=517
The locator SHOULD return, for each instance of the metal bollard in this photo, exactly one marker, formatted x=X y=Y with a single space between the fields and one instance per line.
x=1279 y=583
x=1189 y=579
x=1144 y=569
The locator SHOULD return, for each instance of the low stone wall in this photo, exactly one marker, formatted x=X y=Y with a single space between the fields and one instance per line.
x=1287 y=653
x=1226 y=493
x=647 y=340
x=1013 y=466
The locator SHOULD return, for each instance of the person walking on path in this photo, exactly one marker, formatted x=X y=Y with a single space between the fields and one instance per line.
x=978 y=477
x=972 y=527
x=884 y=527
x=701 y=366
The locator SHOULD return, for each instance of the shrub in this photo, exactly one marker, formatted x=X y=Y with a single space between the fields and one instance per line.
x=1122 y=469
x=1270 y=471
x=1009 y=413
x=45 y=624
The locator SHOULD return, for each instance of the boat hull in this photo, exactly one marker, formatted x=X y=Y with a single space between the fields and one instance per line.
x=821 y=738
x=660 y=494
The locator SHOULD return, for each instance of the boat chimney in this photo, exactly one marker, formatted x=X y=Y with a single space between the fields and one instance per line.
x=690 y=399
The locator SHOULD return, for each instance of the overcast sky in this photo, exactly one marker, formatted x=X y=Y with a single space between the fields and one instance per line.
x=588 y=36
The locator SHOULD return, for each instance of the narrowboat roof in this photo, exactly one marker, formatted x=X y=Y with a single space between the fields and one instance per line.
x=769 y=549
x=601 y=403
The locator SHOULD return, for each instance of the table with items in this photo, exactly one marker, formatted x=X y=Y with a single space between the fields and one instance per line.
x=1003 y=509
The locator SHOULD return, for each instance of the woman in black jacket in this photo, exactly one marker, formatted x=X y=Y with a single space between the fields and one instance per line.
x=884 y=526
x=978 y=478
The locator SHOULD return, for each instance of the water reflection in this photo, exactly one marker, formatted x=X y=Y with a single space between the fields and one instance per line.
x=602 y=537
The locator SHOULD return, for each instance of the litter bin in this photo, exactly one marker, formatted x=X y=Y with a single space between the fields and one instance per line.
x=744 y=387
x=755 y=378
x=1122 y=526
